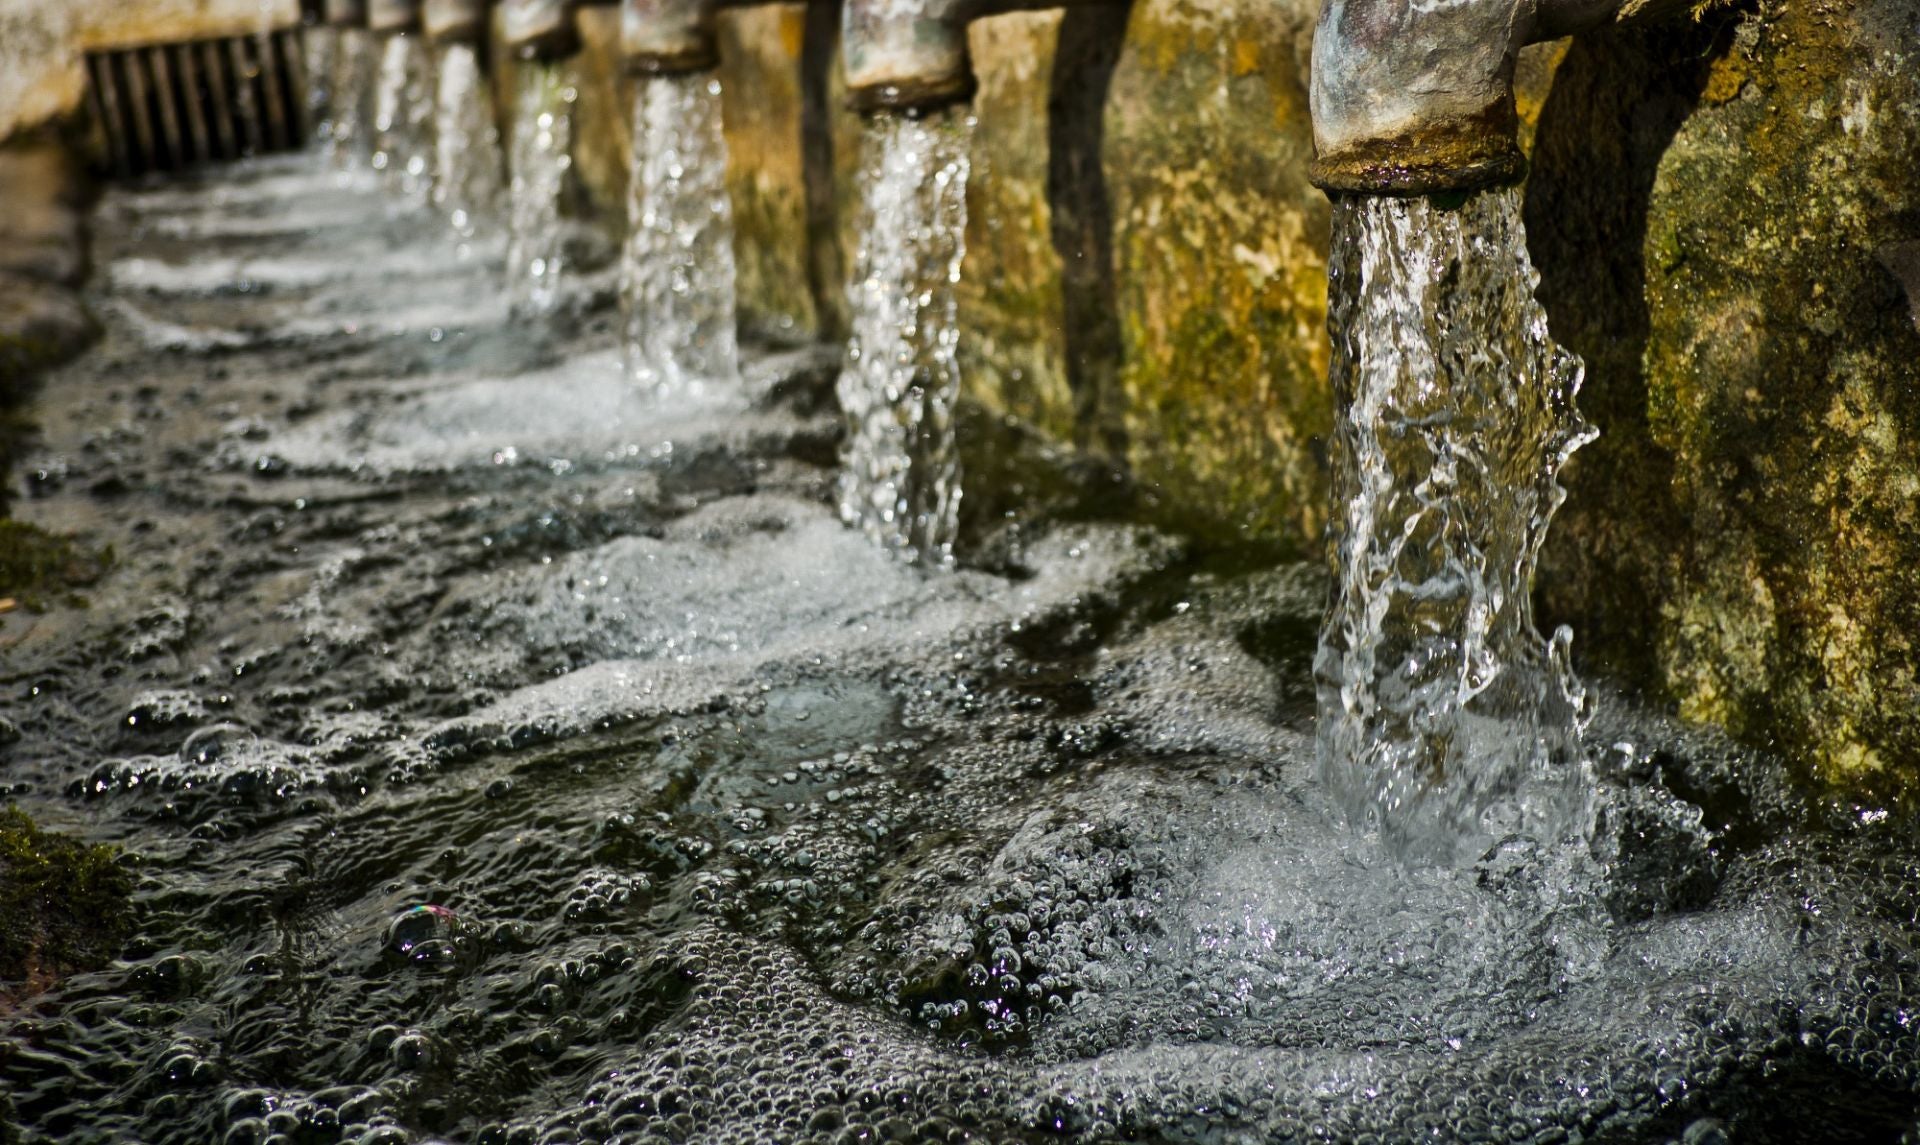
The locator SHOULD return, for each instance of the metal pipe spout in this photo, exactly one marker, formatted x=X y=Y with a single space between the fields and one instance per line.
x=346 y=13
x=454 y=21
x=672 y=37
x=1415 y=97
x=669 y=37
x=539 y=29
x=393 y=16
x=911 y=55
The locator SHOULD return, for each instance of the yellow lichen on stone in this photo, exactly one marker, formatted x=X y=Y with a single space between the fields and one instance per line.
x=1726 y=79
x=759 y=75
x=1783 y=379
x=1014 y=355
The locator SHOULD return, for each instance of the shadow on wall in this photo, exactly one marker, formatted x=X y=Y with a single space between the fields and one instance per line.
x=1618 y=99
x=1085 y=56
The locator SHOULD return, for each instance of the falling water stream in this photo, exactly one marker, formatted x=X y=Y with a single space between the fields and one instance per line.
x=540 y=158
x=1446 y=721
x=901 y=484
x=348 y=140
x=319 y=43
x=403 y=114
x=467 y=183
x=676 y=271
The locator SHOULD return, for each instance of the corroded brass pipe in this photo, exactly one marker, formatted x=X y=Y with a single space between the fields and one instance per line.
x=667 y=37
x=454 y=21
x=912 y=54
x=391 y=17
x=347 y=13
x=1415 y=97
x=539 y=29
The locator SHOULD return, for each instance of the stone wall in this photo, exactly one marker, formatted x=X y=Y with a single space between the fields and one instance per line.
x=40 y=76
x=1722 y=211
x=1726 y=219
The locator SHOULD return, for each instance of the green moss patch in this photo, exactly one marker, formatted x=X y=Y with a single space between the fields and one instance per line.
x=39 y=569
x=63 y=904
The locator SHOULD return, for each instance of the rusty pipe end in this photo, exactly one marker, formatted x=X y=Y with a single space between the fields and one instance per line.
x=905 y=55
x=454 y=21
x=913 y=95
x=668 y=37
x=539 y=29
x=390 y=17
x=1410 y=97
x=346 y=13
x=1429 y=158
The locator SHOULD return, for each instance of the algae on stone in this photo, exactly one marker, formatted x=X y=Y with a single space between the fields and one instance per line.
x=1013 y=356
x=63 y=905
x=1222 y=266
x=38 y=568
x=760 y=76
x=1708 y=214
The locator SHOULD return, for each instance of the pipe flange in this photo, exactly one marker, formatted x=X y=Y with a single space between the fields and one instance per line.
x=346 y=13
x=1467 y=154
x=914 y=95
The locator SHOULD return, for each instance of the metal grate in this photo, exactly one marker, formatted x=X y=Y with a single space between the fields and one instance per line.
x=164 y=107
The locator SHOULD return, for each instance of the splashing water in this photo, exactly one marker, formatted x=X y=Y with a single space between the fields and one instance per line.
x=567 y=787
x=1445 y=720
x=676 y=276
x=403 y=114
x=901 y=484
x=542 y=153
x=467 y=183
x=349 y=134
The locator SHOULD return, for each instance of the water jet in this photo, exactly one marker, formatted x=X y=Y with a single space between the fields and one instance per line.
x=1445 y=721
x=467 y=179
x=540 y=35
x=403 y=95
x=909 y=73
x=349 y=137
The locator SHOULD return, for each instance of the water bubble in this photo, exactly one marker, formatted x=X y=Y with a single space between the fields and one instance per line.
x=213 y=744
x=426 y=935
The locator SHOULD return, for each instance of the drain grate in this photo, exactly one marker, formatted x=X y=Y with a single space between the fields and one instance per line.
x=163 y=107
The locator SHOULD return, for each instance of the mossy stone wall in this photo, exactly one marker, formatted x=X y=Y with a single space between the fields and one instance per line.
x=1722 y=211
x=1720 y=217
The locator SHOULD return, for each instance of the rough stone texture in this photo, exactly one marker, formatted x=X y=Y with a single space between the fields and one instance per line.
x=1222 y=266
x=1720 y=215
x=42 y=255
x=1014 y=354
x=40 y=74
x=760 y=49
x=41 y=193
x=106 y=23
x=41 y=325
